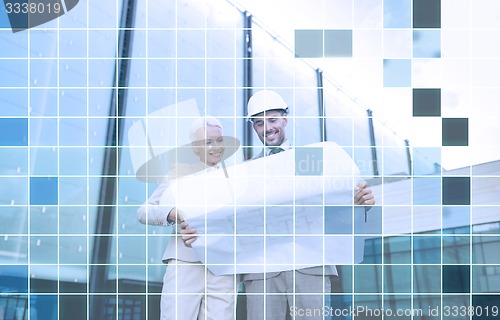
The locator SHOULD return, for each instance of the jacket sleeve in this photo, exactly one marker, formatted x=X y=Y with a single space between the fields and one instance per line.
x=151 y=212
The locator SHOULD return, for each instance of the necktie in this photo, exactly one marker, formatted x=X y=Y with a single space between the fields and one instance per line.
x=276 y=150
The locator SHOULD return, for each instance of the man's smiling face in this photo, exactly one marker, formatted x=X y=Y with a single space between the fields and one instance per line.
x=270 y=127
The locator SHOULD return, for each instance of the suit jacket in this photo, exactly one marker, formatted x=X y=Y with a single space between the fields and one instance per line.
x=319 y=270
x=152 y=213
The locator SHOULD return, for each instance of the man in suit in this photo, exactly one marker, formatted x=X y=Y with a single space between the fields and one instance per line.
x=273 y=295
x=190 y=291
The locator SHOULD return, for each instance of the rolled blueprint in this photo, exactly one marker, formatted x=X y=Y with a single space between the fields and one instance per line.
x=287 y=211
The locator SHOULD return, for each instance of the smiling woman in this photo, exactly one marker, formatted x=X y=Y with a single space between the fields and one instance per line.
x=207 y=140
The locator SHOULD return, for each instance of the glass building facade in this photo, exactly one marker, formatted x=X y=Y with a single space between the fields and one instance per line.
x=71 y=245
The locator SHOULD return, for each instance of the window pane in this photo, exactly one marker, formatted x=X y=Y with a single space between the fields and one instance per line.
x=392 y=155
x=190 y=62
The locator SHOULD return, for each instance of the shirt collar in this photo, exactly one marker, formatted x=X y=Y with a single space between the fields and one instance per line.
x=202 y=167
x=212 y=168
x=285 y=146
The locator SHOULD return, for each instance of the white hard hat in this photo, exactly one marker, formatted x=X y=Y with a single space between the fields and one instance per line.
x=265 y=100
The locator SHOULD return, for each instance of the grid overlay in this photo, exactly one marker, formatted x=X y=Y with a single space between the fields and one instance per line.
x=438 y=230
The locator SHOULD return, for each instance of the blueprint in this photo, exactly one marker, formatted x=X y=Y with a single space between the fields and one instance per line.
x=269 y=215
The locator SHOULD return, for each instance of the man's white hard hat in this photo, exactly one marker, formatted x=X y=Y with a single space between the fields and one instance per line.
x=265 y=100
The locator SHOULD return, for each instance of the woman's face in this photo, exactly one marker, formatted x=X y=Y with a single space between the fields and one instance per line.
x=209 y=145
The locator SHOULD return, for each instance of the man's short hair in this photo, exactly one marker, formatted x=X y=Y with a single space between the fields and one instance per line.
x=203 y=123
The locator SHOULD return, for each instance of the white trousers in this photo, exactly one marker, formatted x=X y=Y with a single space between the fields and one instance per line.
x=190 y=291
